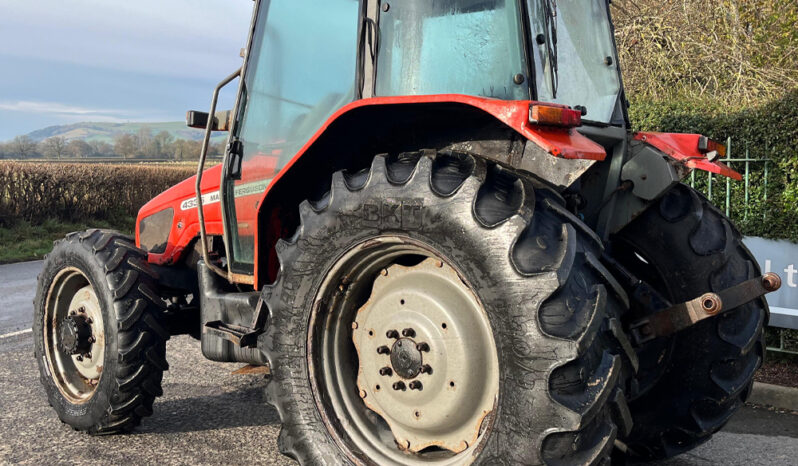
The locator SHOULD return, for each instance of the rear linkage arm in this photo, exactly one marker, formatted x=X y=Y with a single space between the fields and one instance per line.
x=680 y=316
x=667 y=319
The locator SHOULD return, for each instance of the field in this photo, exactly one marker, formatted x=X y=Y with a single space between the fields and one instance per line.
x=41 y=202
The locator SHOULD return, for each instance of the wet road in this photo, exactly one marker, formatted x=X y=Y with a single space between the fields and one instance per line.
x=208 y=416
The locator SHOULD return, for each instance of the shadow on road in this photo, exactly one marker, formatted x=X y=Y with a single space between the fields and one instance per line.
x=243 y=408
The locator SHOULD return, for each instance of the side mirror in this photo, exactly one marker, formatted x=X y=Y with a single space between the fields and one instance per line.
x=222 y=121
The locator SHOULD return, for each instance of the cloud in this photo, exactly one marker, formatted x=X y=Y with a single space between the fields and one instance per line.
x=70 y=112
x=187 y=38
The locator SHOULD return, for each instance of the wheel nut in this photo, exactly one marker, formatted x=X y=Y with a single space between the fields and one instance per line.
x=92 y=339
x=392 y=334
x=416 y=385
x=399 y=386
x=423 y=347
x=408 y=332
x=383 y=350
x=426 y=369
x=89 y=320
x=88 y=355
x=73 y=312
x=82 y=309
x=386 y=371
x=79 y=357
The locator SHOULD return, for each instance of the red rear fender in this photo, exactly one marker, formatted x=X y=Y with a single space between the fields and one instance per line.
x=359 y=126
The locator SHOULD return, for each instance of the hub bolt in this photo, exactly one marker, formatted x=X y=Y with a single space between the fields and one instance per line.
x=408 y=332
x=92 y=339
x=79 y=357
x=399 y=386
x=386 y=371
x=392 y=334
x=426 y=369
x=423 y=347
x=383 y=350
x=88 y=355
x=416 y=385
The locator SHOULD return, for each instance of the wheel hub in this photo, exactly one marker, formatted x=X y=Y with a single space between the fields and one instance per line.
x=427 y=362
x=76 y=337
x=406 y=359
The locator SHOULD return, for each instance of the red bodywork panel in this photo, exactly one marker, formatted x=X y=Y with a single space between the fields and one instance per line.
x=684 y=147
x=557 y=141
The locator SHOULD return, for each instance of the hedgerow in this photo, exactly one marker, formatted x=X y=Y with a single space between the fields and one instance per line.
x=768 y=131
x=34 y=192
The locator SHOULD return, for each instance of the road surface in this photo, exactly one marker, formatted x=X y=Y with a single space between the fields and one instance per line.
x=209 y=416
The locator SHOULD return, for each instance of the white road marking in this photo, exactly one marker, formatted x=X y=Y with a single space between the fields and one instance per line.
x=13 y=334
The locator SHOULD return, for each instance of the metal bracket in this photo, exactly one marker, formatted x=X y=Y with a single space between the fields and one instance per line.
x=680 y=316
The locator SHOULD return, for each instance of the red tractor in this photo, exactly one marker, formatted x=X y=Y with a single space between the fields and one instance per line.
x=435 y=227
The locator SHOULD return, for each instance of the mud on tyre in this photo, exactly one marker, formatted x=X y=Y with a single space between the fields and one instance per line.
x=532 y=266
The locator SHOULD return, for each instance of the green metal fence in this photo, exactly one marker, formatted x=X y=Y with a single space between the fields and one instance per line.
x=752 y=169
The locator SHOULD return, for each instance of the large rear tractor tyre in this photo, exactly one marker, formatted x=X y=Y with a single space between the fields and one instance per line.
x=98 y=339
x=434 y=309
x=691 y=383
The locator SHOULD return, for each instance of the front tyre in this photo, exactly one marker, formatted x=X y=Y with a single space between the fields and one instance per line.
x=98 y=340
x=435 y=309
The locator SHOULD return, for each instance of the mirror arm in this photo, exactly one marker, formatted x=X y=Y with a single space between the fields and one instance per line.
x=201 y=166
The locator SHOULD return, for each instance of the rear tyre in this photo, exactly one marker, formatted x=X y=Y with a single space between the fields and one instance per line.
x=690 y=384
x=529 y=264
x=98 y=338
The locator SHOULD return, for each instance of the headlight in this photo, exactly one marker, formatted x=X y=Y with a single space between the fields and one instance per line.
x=154 y=230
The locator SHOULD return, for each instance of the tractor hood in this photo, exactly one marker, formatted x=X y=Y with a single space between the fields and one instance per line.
x=166 y=224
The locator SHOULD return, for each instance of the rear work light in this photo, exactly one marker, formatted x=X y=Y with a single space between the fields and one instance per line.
x=713 y=150
x=555 y=116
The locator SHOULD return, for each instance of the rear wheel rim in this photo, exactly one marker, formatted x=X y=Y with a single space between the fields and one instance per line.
x=400 y=297
x=74 y=336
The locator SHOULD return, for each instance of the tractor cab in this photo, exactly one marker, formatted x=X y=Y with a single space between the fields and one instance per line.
x=307 y=60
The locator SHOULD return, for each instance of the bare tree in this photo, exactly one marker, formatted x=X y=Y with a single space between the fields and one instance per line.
x=143 y=141
x=23 y=147
x=125 y=145
x=101 y=148
x=54 y=147
x=162 y=143
x=186 y=150
x=79 y=148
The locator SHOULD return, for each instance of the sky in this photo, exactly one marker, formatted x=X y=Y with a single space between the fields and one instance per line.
x=68 y=61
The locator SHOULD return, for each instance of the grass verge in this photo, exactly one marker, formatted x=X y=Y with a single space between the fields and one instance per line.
x=23 y=241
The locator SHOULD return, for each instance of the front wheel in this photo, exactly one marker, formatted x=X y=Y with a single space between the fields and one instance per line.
x=435 y=309
x=98 y=339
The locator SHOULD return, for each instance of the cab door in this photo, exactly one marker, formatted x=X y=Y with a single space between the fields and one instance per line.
x=300 y=69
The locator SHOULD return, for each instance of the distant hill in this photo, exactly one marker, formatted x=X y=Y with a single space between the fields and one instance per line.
x=105 y=132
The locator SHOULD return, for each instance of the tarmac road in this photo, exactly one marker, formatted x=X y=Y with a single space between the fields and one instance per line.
x=208 y=416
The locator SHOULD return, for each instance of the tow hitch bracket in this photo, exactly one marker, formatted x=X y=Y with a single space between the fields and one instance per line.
x=680 y=316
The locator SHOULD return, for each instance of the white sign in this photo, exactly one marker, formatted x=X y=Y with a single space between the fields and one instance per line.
x=781 y=257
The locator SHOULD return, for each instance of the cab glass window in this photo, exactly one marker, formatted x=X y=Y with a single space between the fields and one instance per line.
x=301 y=70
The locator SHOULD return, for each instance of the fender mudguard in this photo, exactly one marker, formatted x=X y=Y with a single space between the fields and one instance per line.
x=362 y=128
